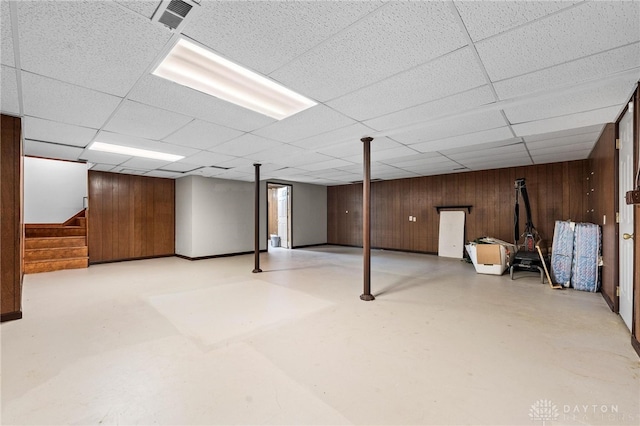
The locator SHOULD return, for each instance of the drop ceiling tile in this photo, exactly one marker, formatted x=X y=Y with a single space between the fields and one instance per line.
x=417 y=160
x=6 y=33
x=470 y=139
x=207 y=159
x=373 y=49
x=144 y=164
x=103 y=157
x=582 y=119
x=53 y=131
x=434 y=169
x=163 y=174
x=568 y=147
x=476 y=155
x=351 y=148
x=161 y=93
x=266 y=35
x=313 y=121
x=137 y=142
x=565 y=36
x=484 y=19
x=328 y=164
x=571 y=73
x=128 y=171
x=9 y=101
x=202 y=135
x=180 y=167
x=245 y=145
x=50 y=150
x=597 y=128
x=235 y=175
x=561 y=156
x=450 y=127
x=480 y=147
x=102 y=167
x=141 y=120
x=308 y=159
x=58 y=101
x=350 y=133
x=145 y=8
x=455 y=72
x=93 y=44
x=566 y=140
x=606 y=95
x=430 y=110
x=489 y=165
x=279 y=155
x=206 y=172
x=384 y=155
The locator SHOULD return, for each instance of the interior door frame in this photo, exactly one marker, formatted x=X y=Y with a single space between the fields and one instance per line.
x=290 y=219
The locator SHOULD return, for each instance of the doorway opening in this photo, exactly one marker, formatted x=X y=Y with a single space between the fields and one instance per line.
x=625 y=230
x=279 y=215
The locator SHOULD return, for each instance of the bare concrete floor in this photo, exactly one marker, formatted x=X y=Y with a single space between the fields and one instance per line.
x=169 y=341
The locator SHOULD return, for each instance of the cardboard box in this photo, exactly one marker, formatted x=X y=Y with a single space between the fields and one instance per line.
x=492 y=259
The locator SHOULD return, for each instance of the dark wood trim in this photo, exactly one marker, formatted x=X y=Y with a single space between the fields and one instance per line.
x=216 y=256
x=636 y=344
x=101 y=262
x=11 y=316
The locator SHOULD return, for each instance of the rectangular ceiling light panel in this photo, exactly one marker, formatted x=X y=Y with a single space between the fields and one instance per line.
x=194 y=66
x=135 y=152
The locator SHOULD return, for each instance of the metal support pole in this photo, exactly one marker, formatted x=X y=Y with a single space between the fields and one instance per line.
x=256 y=224
x=366 y=219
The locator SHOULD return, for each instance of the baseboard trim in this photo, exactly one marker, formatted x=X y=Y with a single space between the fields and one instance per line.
x=606 y=298
x=215 y=256
x=100 y=262
x=11 y=316
x=636 y=344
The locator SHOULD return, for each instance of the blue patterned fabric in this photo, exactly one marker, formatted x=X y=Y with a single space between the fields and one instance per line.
x=562 y=253
x=586 y=254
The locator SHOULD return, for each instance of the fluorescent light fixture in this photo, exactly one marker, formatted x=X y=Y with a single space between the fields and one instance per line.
x=135 y=152
x=192 y=65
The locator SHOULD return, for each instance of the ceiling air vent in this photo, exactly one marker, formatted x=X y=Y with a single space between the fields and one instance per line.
x=173 y=13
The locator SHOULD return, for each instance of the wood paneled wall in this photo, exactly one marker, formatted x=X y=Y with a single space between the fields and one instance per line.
x=602 y=202
x=131 y=217
x=557 y=192
x=10 y=218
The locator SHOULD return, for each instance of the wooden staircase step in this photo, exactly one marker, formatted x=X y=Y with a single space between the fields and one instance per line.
x=36 y=266
x=57 y=253
x=66 y=231
x=54 y=242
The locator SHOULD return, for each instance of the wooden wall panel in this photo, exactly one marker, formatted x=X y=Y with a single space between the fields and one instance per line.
x=601 y=203
x=131 y=217
x=10 y=218
x=555 y=190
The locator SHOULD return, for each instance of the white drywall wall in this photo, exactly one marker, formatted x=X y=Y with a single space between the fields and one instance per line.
x=53 y=190
x=215 y=216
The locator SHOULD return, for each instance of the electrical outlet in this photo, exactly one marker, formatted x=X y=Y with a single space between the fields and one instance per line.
x=633 y=197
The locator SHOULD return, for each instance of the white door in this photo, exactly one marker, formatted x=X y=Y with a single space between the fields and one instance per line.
x=625 y=179
x=451 y=234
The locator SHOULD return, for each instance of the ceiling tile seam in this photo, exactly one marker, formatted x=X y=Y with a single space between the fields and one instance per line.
x=13 y=13
x=129 y=11
x=506 y=120
x=541 y=18
x=570 y=114
x=163 y=52
x=58 y=121
x=178 y=129
x=55 y=143
x=529 y=153
x=510 y=102
x=573 y=60
x=454 y=137
x=472 y=46
x=326 y=40
x=391 y=76
x=451 y=159
x=421 y=104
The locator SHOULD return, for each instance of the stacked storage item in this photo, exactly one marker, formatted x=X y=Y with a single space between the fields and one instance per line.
x=575 y=257
x=586 y=255
x=562 y=252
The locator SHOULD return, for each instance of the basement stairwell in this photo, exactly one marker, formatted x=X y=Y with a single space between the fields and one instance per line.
x=54 y=247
